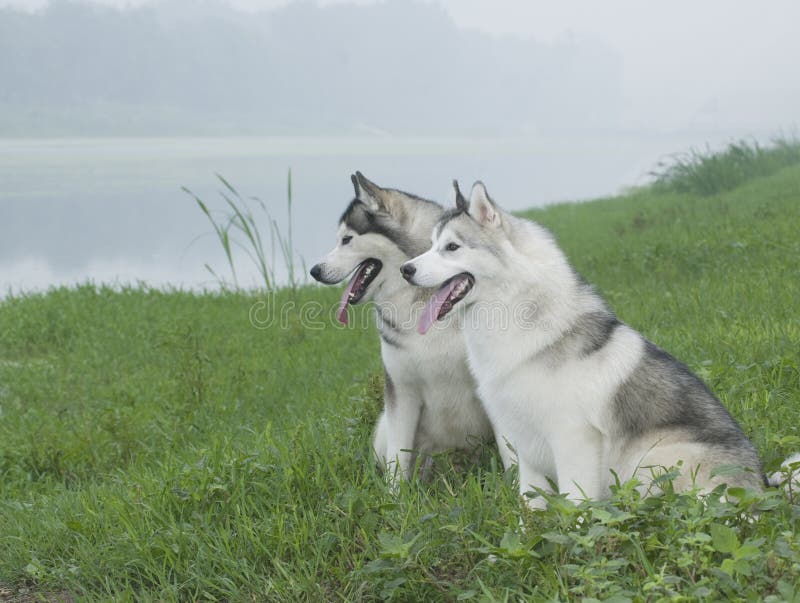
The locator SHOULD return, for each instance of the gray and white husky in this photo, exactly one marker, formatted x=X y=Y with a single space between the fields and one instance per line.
x=430 y=400
x=573 y=391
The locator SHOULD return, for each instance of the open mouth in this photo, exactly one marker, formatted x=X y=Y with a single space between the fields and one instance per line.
x=444 y=300
x=358 y=285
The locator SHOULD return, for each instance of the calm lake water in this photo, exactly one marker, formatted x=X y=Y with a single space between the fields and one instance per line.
x=112 y=210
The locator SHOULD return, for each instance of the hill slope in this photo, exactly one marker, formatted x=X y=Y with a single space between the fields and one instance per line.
x=159 y=446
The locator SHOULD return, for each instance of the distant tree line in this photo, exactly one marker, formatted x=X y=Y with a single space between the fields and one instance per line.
x=397 y=67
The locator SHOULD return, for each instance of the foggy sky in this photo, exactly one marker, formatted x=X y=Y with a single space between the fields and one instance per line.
x=666 y=66
x=594 y=94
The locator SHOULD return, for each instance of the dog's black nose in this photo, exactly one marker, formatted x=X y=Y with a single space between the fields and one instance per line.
x=408 y=271
x=316 y=271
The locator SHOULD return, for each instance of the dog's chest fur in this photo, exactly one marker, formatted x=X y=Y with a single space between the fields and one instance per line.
x=431 y=370
x=540 y=385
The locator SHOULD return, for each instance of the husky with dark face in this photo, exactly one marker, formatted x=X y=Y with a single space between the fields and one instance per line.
x=575 y=393
x=430 y=400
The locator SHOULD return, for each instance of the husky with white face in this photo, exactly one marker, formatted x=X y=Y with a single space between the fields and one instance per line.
x=575 y=393
x=430 y=400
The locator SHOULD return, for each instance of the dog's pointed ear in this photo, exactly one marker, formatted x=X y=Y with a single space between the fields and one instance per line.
x=458 y=198
x=482 y=208
x=368 y=192
x=378 y=199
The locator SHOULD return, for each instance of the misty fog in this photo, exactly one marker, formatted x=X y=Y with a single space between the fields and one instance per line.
x=107 y=108
x=394 y=68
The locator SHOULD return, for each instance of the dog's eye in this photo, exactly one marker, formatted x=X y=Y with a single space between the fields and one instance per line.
x=346 y=240
x=452 y=246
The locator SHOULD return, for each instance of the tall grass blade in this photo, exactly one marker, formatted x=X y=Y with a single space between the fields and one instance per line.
x=705 y=172
x=227 y=185
x=290 y=258
x=240 y=220
x=244 y=222
x=223 y=235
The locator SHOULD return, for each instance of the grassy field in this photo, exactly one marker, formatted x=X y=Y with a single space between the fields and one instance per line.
x=161 y=446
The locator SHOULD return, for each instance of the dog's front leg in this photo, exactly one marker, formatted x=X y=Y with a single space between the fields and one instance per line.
x=403 y=410
x=379 y=442
x=578 y=455
x=531 y=478
x=508 y=455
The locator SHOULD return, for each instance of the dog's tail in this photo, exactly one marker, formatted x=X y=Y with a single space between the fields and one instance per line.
x=788 y=476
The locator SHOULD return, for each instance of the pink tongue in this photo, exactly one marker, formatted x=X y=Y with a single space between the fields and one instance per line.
x=431 y=310
x=341 y=314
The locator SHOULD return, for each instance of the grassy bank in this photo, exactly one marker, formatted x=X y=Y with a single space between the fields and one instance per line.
x=160 y=446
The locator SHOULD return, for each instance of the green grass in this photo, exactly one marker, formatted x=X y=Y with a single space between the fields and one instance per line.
x=238 y=228
x=158 y=446
x=709 y=173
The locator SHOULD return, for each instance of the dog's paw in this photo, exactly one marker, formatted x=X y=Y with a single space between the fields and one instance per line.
x=789 y=475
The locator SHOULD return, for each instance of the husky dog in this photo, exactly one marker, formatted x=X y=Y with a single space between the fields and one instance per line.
x=573 y=391
x=430 y=400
